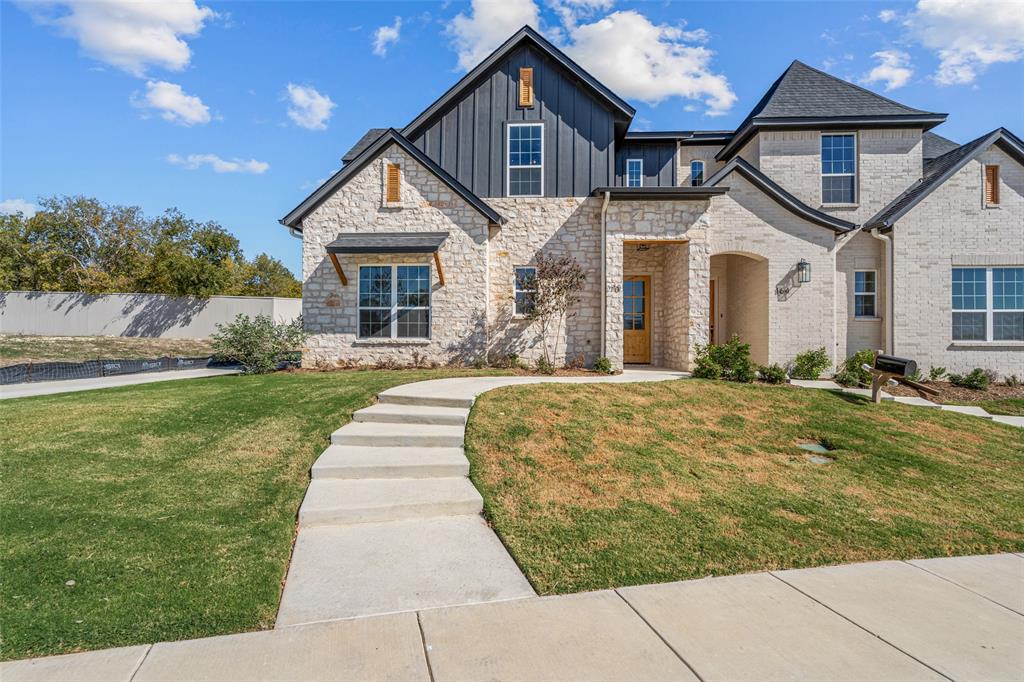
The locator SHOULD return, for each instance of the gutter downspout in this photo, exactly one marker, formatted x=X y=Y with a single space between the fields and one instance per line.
x=841 y=241
x=604 y=273
x=885 y=239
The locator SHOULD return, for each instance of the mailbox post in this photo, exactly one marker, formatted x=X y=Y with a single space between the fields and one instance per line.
x=889 y=368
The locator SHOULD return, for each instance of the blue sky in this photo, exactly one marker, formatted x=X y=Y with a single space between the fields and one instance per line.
x=234 y=111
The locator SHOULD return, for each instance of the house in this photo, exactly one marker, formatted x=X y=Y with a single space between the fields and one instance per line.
x=830 y=217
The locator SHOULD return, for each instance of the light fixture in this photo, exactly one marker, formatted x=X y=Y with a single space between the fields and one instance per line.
x=803 y=271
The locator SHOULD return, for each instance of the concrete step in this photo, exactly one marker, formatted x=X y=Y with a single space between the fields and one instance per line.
x=360 y=461
x=342 y=501
x=412 y=414
x=399 y=435
x=386 y=398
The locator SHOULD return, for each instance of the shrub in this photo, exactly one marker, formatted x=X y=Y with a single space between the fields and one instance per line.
x=916 y=376
x=544 y=366
x=977 y=379
x=851 y=373
x=810 y=364
x=729 y=361
x=603 y=365
x=936 y=373
x=512 y=361
x=773 y=374
x=1013 y=381
x=479 y=363
x=257 y=344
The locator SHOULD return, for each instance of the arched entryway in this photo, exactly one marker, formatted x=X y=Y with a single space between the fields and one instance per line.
x=739 y=302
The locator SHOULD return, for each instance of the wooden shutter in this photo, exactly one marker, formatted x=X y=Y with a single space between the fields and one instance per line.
x=394 y=189
x=991 y=184
x=526 y=86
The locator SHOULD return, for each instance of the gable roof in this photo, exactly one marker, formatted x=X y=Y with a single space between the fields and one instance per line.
x=368 y=138
x=941 y=169
x=526 y=34
x=804 y=96
x=933 y=145
x=781 y=196
x=389 y=137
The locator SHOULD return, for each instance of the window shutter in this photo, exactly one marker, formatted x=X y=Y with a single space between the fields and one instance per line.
x=526 y=86
x=991 y=184
x=394 y=189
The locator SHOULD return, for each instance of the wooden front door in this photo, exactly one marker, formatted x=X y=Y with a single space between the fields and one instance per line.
x=636 y=320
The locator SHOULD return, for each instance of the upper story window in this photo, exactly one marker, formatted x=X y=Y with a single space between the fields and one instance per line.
x=696 y=173
x=525 y=159
x=634 y=172
x=991 y=185
x=394 y=301
x=988 y=304
x=865 y=291
x=524 y=290
x=839 y=169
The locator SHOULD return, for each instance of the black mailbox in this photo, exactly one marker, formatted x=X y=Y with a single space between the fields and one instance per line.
x=893 y=365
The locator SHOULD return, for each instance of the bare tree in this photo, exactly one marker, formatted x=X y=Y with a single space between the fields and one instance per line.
x=553 y=291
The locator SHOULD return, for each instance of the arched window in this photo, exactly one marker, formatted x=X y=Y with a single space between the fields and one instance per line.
x=696 y=173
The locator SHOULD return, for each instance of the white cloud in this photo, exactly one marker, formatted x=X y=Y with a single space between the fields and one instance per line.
x=893 y=69
x=385 y=35
x=887 y=15
x=488 y=25
x=624 y=50
x=128 y=34
x=219 y=165
x=636 y=58
x=968 y=35
x=12 y=206
x=173 y=103
x=309 y=108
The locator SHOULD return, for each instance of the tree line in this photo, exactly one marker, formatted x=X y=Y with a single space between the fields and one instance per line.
x=80 y=244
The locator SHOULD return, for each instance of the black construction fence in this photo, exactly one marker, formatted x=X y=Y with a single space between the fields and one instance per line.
x=91 y=369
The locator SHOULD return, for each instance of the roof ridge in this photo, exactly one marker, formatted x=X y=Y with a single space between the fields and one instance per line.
x=856 y=87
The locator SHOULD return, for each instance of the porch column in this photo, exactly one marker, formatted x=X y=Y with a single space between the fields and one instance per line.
x=698 y=293
x=613 y=303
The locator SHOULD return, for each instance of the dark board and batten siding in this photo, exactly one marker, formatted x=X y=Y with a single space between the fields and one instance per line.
x=659 y=162
x=468 y=138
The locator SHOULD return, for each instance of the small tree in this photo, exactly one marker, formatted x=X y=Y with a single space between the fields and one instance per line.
x=555 y=289
x=258 y=344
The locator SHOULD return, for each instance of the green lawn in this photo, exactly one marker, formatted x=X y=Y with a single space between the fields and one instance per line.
x=1010 y=406
x=16 y=349
x=600 y=486
x=170 y=505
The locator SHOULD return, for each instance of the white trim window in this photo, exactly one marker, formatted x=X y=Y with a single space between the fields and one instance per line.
x=839 y=168
x=988 y=304
x=865 y=293
x=634 y=172
x=394 y=301
x=525 y=159
x=524 y=290
x=696 y=173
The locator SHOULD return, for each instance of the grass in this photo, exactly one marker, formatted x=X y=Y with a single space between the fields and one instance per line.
x=601 y=486
x=16 y=349
x=1008 y=406
x=171 y=505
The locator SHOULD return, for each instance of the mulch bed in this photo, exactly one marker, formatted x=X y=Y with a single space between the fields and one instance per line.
x=951 y=394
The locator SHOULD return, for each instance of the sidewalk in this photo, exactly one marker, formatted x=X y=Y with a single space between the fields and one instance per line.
x=959 y=618
x=72 y=385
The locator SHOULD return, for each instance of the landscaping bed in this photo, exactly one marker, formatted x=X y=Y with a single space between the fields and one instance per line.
x=162 y=511
x=997 y=398
x=598 y=486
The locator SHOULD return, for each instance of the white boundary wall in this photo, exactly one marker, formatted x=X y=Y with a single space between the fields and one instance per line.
x=144 y=315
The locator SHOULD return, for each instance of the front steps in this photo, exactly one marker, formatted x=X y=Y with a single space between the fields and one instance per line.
x=399 y=434
x=373 y=500
x=412 y=414
x=361 y=461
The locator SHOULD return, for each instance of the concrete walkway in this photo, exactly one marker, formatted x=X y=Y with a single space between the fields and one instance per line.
x=971 y=410
x=954 y=619
x=391 y=522
x=74 y=385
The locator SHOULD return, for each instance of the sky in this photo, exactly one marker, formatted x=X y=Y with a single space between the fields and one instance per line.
x=235 y=111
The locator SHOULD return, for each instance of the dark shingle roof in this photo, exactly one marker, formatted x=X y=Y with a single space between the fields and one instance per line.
x=940 y=169
x=387 y=242
x=933 y=145
x=365 y=141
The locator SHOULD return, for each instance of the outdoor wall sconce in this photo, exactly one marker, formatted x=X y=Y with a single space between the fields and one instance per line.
x=803 y=272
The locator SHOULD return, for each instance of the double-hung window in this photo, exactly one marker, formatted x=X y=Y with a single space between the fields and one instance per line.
x=839 y=169
x=696 y=173
x=865 y=293
x=394 y=301
x=525 y=159
x=988 y=304
x=634 y=172
x=525 y=290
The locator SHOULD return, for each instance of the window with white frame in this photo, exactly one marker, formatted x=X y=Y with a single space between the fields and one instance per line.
x=394 y=301
x=696 y=173
x=865 y=293
x=525 y=159
x=988 y=304
x=524 y=290
x=634 y=172
x=839 y=169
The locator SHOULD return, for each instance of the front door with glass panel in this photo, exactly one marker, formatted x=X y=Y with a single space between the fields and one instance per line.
x=636 y=320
